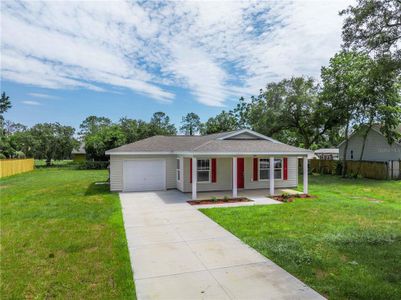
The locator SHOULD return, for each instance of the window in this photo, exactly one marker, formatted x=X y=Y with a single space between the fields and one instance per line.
x=264 y=168
x=352 y=154
x=178 y=171
x=203 y=166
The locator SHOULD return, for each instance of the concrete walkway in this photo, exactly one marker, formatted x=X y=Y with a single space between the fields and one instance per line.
x=179 y=253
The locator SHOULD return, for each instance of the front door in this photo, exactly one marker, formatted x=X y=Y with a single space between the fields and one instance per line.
x=240 y=173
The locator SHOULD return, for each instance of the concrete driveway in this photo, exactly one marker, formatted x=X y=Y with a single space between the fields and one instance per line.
x=179 y=253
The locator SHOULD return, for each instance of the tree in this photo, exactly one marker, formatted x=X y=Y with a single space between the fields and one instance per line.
x=286 y=110
x=346 y=92
x=105 y=138
x=52 y=141
x=191 y=124
x=224 y=121
x=92 y=124
x=374 y=26
x=5 y=103
x=160 y=124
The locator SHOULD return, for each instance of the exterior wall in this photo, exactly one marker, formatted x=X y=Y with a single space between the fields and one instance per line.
x=78 y=157
x=224 y=176
x=376 y=148
x=116 y=169
x=292 y=180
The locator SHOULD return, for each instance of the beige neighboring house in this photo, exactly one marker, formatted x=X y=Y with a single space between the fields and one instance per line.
x=377 y=147
x=218 y=162
x=79 y=154
x=327 y=153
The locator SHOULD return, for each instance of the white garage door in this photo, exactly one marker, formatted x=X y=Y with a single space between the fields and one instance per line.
x=144 y=175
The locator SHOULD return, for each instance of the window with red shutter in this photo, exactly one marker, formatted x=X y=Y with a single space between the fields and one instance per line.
x=214 y=170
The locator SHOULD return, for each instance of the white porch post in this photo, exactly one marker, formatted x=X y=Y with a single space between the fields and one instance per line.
x=235 y=177
x=305 y=174
x=271 y=177
x=194 y=177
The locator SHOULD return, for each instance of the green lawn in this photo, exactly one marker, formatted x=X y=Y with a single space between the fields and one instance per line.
x=346 y=243
x=62 y=236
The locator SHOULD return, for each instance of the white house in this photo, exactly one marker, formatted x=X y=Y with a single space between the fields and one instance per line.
x=218 y=162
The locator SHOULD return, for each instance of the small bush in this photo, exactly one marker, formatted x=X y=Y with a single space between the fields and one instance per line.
x=226 y=198
x=92 y=165
x=214 y=199
x=20 y=154
x=2 y=156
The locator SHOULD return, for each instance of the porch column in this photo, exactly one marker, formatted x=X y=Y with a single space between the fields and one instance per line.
x=235 y=177
x=305 y=174
x=271 y=177
x=194 y=177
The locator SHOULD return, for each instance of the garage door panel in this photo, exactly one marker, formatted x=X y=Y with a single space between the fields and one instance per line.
x=144 y=175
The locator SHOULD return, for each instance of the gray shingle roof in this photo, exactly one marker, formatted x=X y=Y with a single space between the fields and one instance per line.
x=205 y=144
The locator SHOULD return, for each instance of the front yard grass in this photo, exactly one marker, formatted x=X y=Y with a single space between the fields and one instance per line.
x=62 y=236
x=346 y=243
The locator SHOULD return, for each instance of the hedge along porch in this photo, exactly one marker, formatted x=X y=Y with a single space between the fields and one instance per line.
x=228 y=161
x=233 y=173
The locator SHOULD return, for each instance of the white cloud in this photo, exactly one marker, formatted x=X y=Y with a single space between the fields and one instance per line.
x=44 y=96
x=218 y=50
x=29 y=102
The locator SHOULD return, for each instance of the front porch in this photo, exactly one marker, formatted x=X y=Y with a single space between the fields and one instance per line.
x=242 y=175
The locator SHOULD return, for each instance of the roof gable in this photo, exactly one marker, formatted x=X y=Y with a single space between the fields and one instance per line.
x=246 y=134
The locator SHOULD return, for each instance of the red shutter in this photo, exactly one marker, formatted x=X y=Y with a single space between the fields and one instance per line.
x=255 y=169
x=213 y=170
x=285 y=171
x=190 y=170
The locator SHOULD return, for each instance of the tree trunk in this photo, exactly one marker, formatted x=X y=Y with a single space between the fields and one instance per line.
x=365 y=136
x=48 y=161
x=344 y=170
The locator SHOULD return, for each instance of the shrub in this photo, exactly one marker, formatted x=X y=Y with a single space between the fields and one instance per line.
x=214 y=199
x=2 y=156
x=92 y=165
x=20 y=154
x=286 y=197
x=226 y=198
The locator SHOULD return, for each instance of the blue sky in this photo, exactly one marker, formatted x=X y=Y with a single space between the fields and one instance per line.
x=62 y=61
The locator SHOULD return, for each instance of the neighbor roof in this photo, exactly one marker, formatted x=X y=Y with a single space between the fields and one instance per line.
x=220 y=143
x=327 y=150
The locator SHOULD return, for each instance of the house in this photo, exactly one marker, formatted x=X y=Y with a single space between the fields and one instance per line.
x=217 y=162
x=79 y=154
x=377 y=147
x=327 y=153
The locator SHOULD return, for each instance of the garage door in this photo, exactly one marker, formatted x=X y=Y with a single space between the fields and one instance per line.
x=144 y=175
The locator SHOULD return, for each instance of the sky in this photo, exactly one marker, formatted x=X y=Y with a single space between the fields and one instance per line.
x=63 y=61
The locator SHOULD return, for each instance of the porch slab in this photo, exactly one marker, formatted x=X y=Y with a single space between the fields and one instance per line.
x=251 y=193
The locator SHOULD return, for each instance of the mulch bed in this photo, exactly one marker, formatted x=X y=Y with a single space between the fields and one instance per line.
x=218 y=201
x=291 y=198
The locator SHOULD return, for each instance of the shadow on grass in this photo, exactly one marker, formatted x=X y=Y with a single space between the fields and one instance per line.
x=98 y=188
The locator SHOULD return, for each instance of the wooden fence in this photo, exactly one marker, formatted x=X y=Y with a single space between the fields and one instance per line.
x=368 y=169
x=10 y=167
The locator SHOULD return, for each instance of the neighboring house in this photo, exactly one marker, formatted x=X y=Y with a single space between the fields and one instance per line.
x=327 y=153
x=79 y=154
x=377 y=147
x=206 y=163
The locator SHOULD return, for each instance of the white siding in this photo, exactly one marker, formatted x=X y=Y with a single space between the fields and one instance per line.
x=116 y=169
x=224 y=177
x=376 y=148
x=292 y=180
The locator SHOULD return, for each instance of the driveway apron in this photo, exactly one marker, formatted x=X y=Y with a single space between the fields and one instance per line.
x=178 y=253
